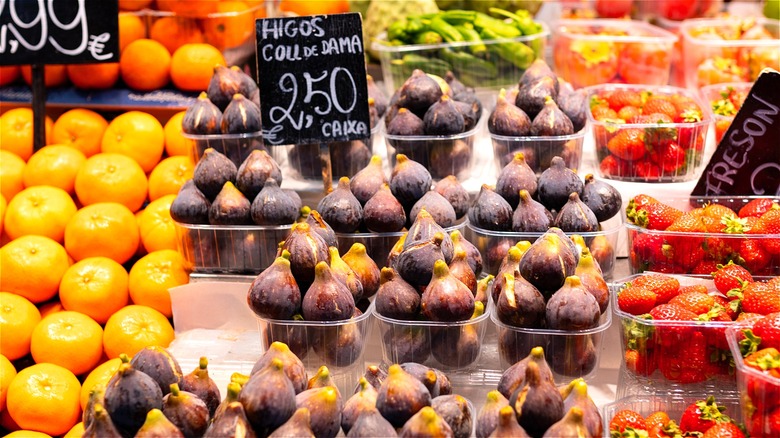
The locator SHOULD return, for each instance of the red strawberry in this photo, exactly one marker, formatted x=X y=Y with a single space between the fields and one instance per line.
x=765 y=425
x=647 y=253
x=656 y=216
x=664 y=287
x=723 y=302
x=647 y=169
x=657 y=418
x=731 y=276
x=627 y=418
x=764 y=392
x=769 y=223
x=761 y=297
x=756 y=207
x=687 y=251
x=678 y=9
x=635 y=300
x=696 y=302
x=614 y=166
x=603 y=113
x=640 y=200
x=613 y=8
x=724 y=430
x=701 y=415
x=623 y=98
x=754 y=255
x=768 y=329
x=671 y=430
x=670 y=157
x=693 y=288
x=672 y=336
x=659 y=105
x=628 y=112
x=766 y=360
x=640 y=363
x=705 y=267
x=628 y=144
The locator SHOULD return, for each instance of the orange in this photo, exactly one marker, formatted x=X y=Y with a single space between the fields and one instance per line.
x=232 y=27
x=3 y=206
x=69 y=339
x=18 y=316
x=95 y=286
x=16 y=126
x=39 y=210
x=192 y=66
x=133 y=328
x=27 y=434
x=8 y=423
x=111 y=178
x=54 y=75
x=50 y=307
x=7 y=373
x=145 y=65
x=99 y=376
x=97 y=76
x=55 y=165
x=11 y=174
x=175 y=143
x=81 y=129
x=44 y=397
x=308 y=7
x=32 y=266
x=138 y=135
x=174 y=32
x=152 y=276
x=76 y=431
x=168 y=177
x=9 y=74
x=156 y=225
x=198 y=8
x=131 y=28
x=106 y=229
x=134 y=5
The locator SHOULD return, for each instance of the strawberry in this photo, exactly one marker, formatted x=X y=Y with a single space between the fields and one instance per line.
x=756 y=207
x=623 y=98
x=769 y=223
x=685 y=104
x=730 y=276
x=601 y=113
x=678 y=9
x=724 y=430
x=614 y=166
x=723 y=302
x=764 y=392
x=625 y=419
x=628 y=112
x=647 y=169
x=705 y=267
x=647 y=253
x=657 y=418
x=696 y=302
x=717 y=211
x=635 y=300
x=656 y=216
x=670 y=157
x=761 y=297
x=664 y=287
x=659 y=105
x=670 y=430
x=753 y=255
x=673 y=335
x=693 y=288
x=639 y=201
x=748 y=318
x=766 y=360
x=687 y=251
x=701 y=415
x=768 y=329
x=765 y=425
x=640 y=363
x=613 y=8
x=628 y=144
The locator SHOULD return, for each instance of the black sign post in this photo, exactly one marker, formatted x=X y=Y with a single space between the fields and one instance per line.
x=747 y=160
x=312 y=80
x=56 y=32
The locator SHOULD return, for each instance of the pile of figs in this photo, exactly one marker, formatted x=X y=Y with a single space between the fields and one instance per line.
x=310 y=283
x=527 y=403
x=541 y=106
x=554 y=284
x=521 y=202
x=346 y=157
x=230 y=105
x=433 y=111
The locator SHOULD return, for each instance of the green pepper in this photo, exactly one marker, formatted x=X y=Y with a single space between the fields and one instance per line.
x=446 y=30
x=496 y=26
x=458 y=16
x=462 y=61
x=513 y=51
x=410 y=62
x=415 y=25
x=428 y=37
x=469 y=34
x=397 y=31
x=522 y=20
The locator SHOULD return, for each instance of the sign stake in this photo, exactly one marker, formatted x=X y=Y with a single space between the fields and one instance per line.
x=39 y=106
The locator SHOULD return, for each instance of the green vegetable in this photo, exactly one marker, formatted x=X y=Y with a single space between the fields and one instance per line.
x=496 y=26
x=416 y=25
x=469 y=34
x=515 y=52
x=522 y=20
x=428 y=37
x=458 y=16
x=403 y=67
x=446 y=30
x=397 y=31
x=462 y=61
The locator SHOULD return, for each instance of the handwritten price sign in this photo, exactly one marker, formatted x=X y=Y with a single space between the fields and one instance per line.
x=312 y=79
x=58 y=31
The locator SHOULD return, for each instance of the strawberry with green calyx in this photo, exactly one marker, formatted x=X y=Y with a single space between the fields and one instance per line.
x=636 y=203
x=764 y=392
x=627 y=420
x=768 y=329
x=664 y=286
x=670 y=157
x=724 y=430
x=761 y=297
x=640 y=363
x=756 y=207
x=635 y=300
x=669 y=430
x=628 y=144
x=731 y=276
x=686 y=251
x=752 y=255
x=769 y=223
x=656 y=216
x=703 y=414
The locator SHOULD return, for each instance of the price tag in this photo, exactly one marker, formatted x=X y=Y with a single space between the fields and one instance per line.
x=312 y=79
x=58 y=31
x=747 y=160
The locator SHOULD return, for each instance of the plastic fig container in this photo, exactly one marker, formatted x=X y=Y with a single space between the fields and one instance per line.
x=759 y=391
x=571 y=354
x=711 y=94
x=690 y=137
x=432 y=343
x=229 y=249
x=593 y=52
x=378 y=245
x=237 y=147
x=339 y=345
x=493 y=245
x=538 y=151
x=398 y=62
x=728 y=49
x=442 y=155
x=679 y=252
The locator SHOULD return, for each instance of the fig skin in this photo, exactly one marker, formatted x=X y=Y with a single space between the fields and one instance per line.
x=241 y=116
x=590 y=275
x=157 y=425
x=509 y=265
x=490 y=211
x=371 y=424
x=548 y=262
x=225 y=83
x=443 y=118
x=401 y=396
x=319 y=226
x=364 y=267
x=454 y=192
x=102 y=426
x=602 y=198
x=425 y=229
x=532 y=96
x=446 y=298
x=572 y=307
x=396 y=298
x=513 y=378
x=340 y=209
x=551 y=121
x=199 y=382
x=457 y=347
x=424 y=374
x=409 y=181
x=338 y=346
x=537 y=70
x=515 y=176
x=520 y=303
x=468 y=113
x=578 y=397
x=571 y=424
x=185 y=410
x=576 y=217
x=374 y=375
x=345 y=274
x=211 y=173
x=483 y=285
x=159 y=364
x=416 y=262
x=327 y=299
x=508 y=119
x=460 y=269
x=361 y=402
x=487 y=417
x=202 y=117
x=231 y=423
x=190 y=205
x=306 y=249
x=507 y=426
x=419 y=92
x=405 y=124
x=577 y=358
x=268 y=398
x=426 y=423
x=274 y=293
x=383 y=213
x=368 y=180
x=438 y=207
x=556 y=184
x=538 y=404
x=472 y=100
x=129 y=395
x=291 y=365
x=272 y=206
x=473 y=256
x=299 y=425
x=530 y=216
x=230 y=207
x=255 y=171
x=408 y=344
x=574 y=105
x=324 y=405
x=455 y=84
x=454 y=409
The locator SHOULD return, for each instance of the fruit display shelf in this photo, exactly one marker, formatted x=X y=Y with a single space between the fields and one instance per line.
x=111 y=99
x=538 y=151
x=441 y=155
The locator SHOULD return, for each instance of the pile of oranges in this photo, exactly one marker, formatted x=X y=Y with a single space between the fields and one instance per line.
x=88 y=255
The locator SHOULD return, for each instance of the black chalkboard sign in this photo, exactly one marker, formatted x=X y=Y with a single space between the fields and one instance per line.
x=312 y=79
x=747 y=160
x=58 y=31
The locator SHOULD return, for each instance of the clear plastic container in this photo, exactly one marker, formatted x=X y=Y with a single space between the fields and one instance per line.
x=378 y=245
x=593 y=52
x=538 y=151
x=339 y=345
x=570 y=354
x=453 y=347
x=493 y=245
x=242 y=249
x=441 y=155
x=398 y=62
x=711 y=94
x=680 y=253
x=237 y=147
x=759 y=391
x=728 y=49
x=690 y=137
